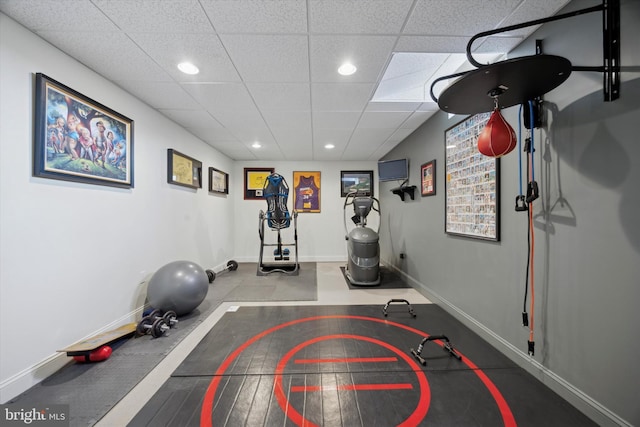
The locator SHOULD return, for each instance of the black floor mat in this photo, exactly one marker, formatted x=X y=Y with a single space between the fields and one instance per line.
x=349 y=365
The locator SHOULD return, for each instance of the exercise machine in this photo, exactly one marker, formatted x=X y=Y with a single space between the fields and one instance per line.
x=278 y=218
x=363 y=248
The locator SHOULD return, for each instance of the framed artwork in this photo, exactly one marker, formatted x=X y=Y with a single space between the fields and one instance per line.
x=218 y=181
x=306 y=191
x=78 y=139
x=428 y=178
x=183 y=170
x=362 y=181
x=472 y=183
x=254 y=182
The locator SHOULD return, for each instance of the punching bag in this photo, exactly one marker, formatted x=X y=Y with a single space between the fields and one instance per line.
x=498 y=137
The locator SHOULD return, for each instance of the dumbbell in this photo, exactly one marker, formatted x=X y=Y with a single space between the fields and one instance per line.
x=170 y=317
x=231 y=266
x=155 y=324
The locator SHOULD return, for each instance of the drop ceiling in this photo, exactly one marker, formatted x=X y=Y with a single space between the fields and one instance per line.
x=268 y=68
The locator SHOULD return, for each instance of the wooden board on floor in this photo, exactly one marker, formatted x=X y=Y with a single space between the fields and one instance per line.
x=99 y=340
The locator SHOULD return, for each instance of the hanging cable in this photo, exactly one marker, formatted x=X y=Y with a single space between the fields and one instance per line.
x=520 y=150
x=532 y=194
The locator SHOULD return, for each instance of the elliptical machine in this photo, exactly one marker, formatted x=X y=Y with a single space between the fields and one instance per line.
x=363 y=248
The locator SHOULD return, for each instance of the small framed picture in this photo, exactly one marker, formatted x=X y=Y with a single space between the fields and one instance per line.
x=428 y=178
x=254 y=179
x=183 y=170
x=218 y=181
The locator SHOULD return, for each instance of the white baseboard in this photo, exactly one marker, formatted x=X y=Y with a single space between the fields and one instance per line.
x=33 y=375
x=587 y=405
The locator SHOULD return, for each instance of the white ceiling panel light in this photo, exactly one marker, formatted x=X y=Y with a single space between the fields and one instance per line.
x=188 y=68
x=347 y=69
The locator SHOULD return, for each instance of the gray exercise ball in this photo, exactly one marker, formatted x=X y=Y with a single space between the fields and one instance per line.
x=179 y=286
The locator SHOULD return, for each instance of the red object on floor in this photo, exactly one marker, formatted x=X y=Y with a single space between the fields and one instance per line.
x=498 y=137
x=97 y=355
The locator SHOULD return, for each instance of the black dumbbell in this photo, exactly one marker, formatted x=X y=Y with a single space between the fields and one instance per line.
x=170 y=317
x=157 y=327
x=231 y=266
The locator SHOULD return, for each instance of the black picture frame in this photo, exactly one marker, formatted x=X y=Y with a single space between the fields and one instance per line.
x=428 y=178
x=218 y=181
x=183 y=170
x=362 y=181
x=79 y=139
x=472 y=183
x=254 y=179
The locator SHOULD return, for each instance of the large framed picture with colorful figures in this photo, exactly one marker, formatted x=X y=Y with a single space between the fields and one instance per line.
x=78 y=139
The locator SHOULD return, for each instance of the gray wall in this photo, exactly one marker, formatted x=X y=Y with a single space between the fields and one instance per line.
x=587 y=263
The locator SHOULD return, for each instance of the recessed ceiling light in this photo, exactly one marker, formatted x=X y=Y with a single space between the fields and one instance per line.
x=188 y=68
x=256 y=145
x=347 y=69
x=329 y=146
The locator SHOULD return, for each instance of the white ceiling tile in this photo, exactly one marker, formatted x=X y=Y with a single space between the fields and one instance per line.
x=369 y=54
x=57 y=15
x=289 y=138
x=248 y=135
x=530 y=11
x=192 y=118
x=203 y=50
x=416 y=119
x=249 y=16
x=288 y=119
x=354 y=17
x=392 y=106
x=457 y=17
x=281 y=96
x=432 y=44
x=212 y=134
x=162 y=95
x=338 y=137
x=269 y=58
x=340 y=96
x=221 y=96
x=112 y=55
x=382 y=120
x=335 y=120
x=363 y=137
x=250 y=119
x=154 y=16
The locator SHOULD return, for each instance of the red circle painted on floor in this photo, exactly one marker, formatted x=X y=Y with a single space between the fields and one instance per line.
x=416 y=416
x=207 y=403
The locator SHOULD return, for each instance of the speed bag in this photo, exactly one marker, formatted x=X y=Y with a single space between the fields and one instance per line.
x=498 y=137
